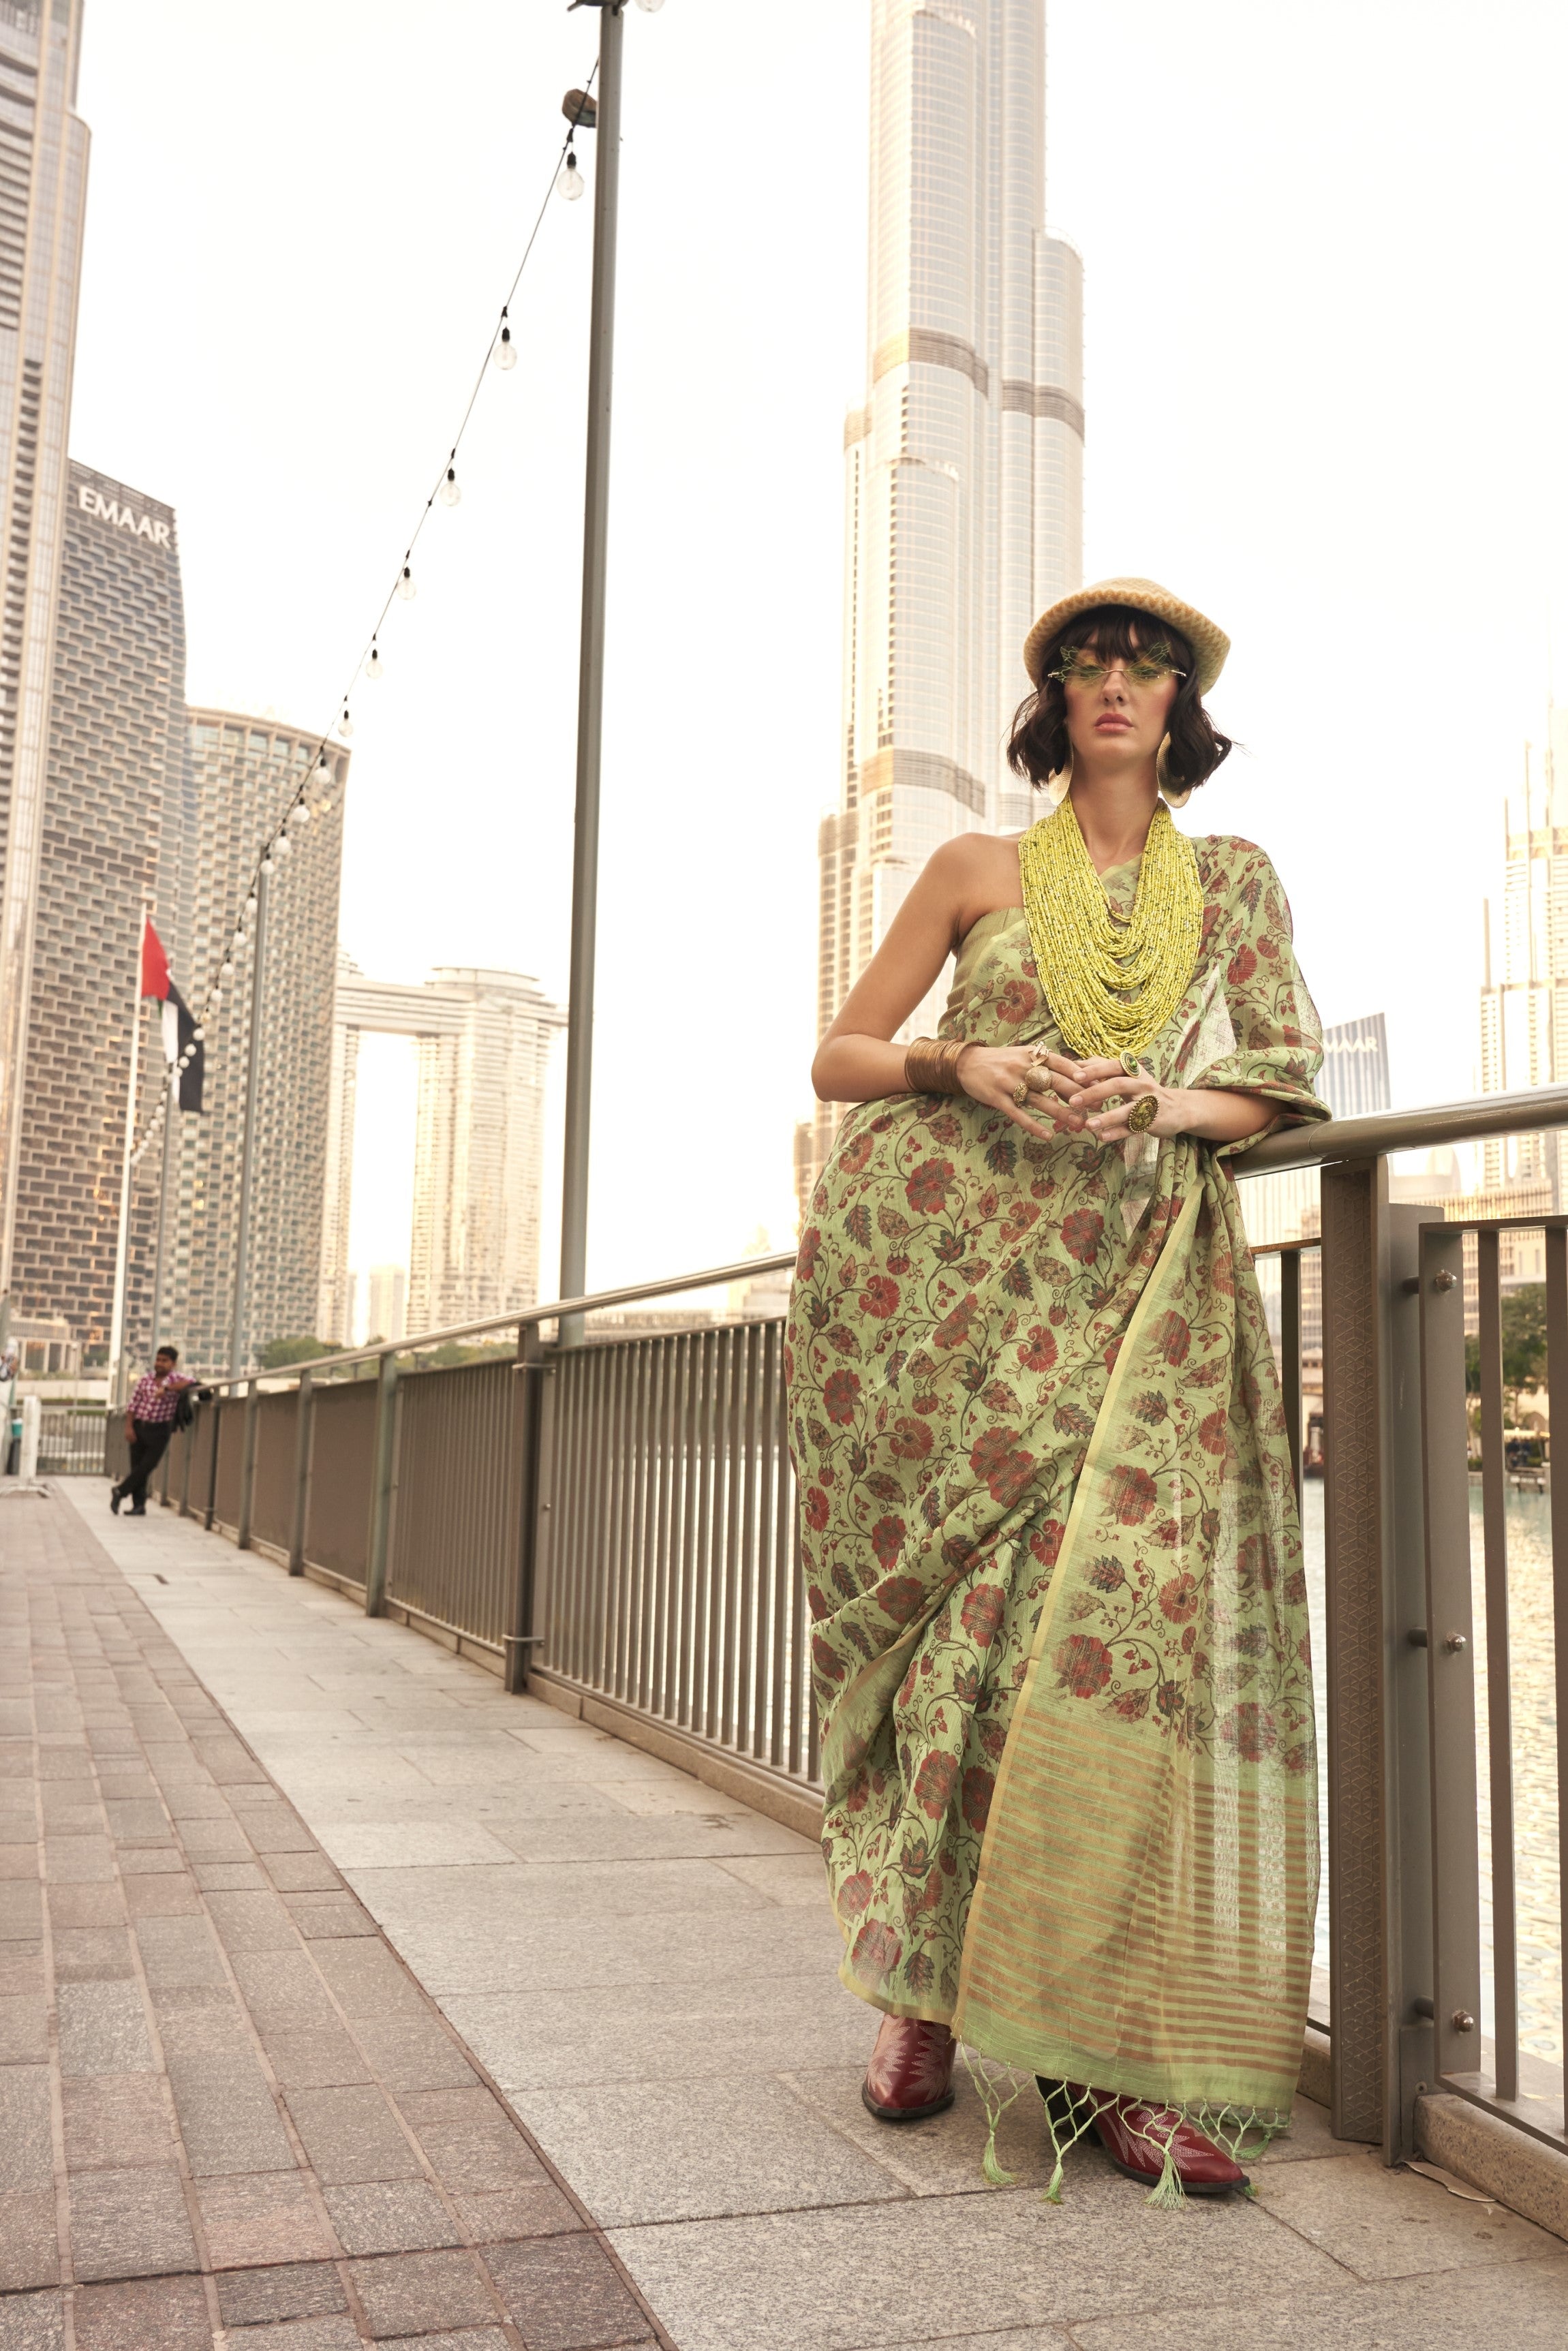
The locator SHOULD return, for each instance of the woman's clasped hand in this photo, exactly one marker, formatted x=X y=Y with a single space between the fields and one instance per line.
x=1077 y=1095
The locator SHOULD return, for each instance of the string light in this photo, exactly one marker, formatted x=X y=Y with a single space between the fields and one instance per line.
x=572 y=183
x=501 y=353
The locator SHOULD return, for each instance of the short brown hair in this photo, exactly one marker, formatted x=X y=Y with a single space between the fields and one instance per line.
x=1039 y=745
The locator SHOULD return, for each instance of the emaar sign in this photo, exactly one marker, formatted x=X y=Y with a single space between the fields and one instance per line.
x=109 y=510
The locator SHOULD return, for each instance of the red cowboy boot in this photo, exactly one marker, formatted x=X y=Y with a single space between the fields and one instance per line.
x=1202 y=2168
x=911 y=2070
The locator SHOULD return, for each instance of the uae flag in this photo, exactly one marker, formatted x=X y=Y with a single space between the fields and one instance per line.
x=179 y=1021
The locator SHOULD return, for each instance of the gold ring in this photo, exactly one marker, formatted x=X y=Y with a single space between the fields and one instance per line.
x=1144 y=1112
x=1020 y=1092
x=1130 y=1069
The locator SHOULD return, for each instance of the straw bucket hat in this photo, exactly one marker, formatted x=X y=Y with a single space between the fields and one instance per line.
x=1210 y=643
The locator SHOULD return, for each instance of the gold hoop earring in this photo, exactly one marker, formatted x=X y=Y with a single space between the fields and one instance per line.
x=1173 y=795
x=1059 y=784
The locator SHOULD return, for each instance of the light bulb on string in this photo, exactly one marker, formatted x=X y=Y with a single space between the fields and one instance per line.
x=374 y=668
x=198 y=1032
x=298 y=816
x=225 y=971
x=506 y=351
x=652 y=7
x=250 y=903
x=283 y=846
x=406 y=587
x=451 y=489
x=216 y=998
x=266 y=863
x=572 y=183
x=345 y=723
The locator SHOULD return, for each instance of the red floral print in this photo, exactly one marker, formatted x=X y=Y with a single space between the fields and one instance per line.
x=1081 y=1233
x=976 y=1797
x=926 y=1190
x=982 y=1612
x=1134 y=1494
x=934 y=1782
x=839 y=1394
x=879 y=1299
x=887 y=1539
x=1084 y=1664
x=1179 y=1598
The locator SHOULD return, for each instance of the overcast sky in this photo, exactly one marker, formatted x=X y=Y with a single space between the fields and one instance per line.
x=1323 y=385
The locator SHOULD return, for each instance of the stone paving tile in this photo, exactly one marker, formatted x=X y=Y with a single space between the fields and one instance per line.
x=254 y=2218
x=404 y=2215
x=257 y=2297
x=113 y=2121
x=129 y=2224
x=29 y=2243
x=144 y=2314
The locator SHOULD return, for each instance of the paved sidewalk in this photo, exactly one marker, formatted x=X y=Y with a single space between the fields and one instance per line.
x=646 y=1971
x=227 y=2113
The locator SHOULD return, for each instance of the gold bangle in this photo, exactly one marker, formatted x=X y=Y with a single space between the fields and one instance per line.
x=931 y=1065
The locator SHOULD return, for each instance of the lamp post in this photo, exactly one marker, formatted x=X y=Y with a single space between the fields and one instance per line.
x=606 y=120
x=239 y=1349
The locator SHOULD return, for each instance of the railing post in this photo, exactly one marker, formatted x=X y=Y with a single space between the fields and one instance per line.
x=1372 y=1521
x=211 y=1511
x=531 y=1378
x=1454 y=1991
x=302 y=1433
x=247 y=1464
x=382 y=1488
x=186 y=1466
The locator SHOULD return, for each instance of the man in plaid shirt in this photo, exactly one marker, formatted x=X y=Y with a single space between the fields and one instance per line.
x=149 y=1425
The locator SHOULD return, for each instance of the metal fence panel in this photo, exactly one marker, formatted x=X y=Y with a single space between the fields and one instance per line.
x=230 y=1417
x=337 y=1533
x=669 y=1570
x=456 y=1528
x=72 y=1440
x=272 y=1497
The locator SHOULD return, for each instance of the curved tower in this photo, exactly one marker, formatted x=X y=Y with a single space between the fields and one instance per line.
x=963 y=470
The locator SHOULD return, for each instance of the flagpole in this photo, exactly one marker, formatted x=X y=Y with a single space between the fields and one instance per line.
x=238 y=1349
x=122 y=1245
x=171 y=1125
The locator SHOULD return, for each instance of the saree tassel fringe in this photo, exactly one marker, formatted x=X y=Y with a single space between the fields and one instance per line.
x=987 y=2079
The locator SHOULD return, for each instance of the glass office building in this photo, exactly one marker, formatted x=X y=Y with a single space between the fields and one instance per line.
x=117 y=833
x=963 y=469
x=246 y=772
x=43 y=183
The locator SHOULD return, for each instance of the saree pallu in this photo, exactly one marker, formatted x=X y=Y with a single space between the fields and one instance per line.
x=1060 y=1629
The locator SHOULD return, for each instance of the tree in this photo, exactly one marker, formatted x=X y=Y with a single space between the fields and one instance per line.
x=279 y=1353
x=1523 y=1342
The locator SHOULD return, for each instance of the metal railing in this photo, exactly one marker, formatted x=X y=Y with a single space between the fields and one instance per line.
x=614 y=1523
x=71 y=1440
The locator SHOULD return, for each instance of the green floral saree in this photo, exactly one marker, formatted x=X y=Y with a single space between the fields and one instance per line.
x=1051 y=1546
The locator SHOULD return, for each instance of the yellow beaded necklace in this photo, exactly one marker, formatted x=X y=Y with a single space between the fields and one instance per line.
x=1111 y=985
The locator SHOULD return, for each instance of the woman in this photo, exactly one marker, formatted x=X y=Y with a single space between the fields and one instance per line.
x=1049 y=1521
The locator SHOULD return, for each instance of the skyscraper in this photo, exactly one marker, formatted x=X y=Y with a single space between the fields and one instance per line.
x=246 y=772
x=43 y=179
x=1525 y=1005
x=118 y=829
x=1354 y=1082
x=484 y=1040
x=963 y=469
